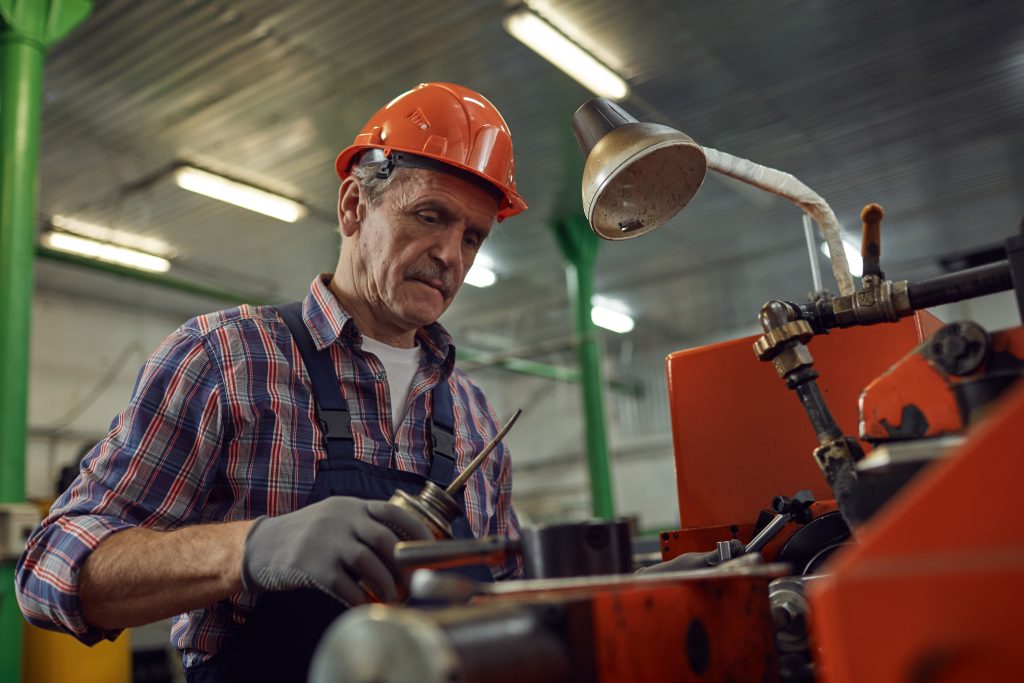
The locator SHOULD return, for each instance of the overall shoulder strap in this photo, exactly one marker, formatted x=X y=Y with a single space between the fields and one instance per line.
x=331 y=407
x=442 y=434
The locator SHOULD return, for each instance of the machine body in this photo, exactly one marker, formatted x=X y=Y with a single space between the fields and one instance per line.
x=868 y=454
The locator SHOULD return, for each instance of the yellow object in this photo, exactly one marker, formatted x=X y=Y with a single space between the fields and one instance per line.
x=52 y=657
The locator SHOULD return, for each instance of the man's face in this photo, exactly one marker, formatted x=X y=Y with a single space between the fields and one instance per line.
x=417 y=243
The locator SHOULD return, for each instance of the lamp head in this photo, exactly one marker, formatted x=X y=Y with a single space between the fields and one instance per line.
x=637 y=175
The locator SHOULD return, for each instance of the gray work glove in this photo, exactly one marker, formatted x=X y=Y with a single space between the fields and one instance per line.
x=336 y=545
x=688 y=561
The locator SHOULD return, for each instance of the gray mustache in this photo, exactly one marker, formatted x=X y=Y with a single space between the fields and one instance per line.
x=432 y=271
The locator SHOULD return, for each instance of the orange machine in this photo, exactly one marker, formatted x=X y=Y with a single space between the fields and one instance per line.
x=894 y=552
x=929 y=592
x=932 y=590
x=734 y=455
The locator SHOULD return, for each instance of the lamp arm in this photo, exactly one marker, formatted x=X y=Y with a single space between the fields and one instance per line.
x=788 y=186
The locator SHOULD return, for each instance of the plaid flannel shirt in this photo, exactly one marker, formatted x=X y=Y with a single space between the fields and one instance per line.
x=220 y=427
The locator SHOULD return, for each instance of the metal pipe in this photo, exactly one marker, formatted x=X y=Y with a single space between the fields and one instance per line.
x=20 y=106
x=26 y=29
x=812 y=253
x=579 y=247
x=965 y=284
x=482 y=359
x=158 y=279
x=944 y=289
x=825 y=427
x=517 y=365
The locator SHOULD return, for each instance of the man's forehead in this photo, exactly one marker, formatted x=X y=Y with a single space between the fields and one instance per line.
x=416 y=184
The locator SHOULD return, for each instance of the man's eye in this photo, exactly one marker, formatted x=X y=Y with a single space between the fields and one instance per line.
x=471 y=241
x=429 y=218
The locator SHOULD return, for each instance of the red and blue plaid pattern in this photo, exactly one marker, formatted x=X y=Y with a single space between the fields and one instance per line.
x=220 y=427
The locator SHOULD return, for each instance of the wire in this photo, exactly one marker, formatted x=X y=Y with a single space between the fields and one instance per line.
x=104 y=383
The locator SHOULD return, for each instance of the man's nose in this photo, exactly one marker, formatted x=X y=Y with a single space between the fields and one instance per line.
x=448 y=248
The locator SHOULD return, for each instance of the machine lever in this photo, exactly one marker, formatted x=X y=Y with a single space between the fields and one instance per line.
x=797 y=508
x=871 y=241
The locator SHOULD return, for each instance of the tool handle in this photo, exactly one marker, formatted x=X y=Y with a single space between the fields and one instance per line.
x=871 y=239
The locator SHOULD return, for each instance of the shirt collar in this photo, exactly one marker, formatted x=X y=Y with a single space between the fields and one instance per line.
x=329 y=323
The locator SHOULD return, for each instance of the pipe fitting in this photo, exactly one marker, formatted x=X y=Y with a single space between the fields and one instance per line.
x=887 y=302
x=792 y=358
x=768 y=346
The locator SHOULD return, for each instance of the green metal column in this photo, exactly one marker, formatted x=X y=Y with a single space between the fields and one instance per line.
x=27 y=28
x=579 y=247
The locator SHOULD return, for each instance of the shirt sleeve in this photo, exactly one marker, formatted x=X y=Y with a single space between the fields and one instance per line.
x=504 y=522
x=153 y=469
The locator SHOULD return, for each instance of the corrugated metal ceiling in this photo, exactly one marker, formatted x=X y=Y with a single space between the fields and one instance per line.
x=915 y=105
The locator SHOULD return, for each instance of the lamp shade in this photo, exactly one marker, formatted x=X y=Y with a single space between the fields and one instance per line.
x=637 y=175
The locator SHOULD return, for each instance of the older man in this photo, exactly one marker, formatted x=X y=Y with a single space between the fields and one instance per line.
x=242 y=489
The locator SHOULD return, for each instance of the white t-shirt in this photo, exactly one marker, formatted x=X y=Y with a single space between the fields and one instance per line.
x=400 y=366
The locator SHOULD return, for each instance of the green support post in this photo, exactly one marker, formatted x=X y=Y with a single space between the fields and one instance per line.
x=27 y=29
x=579 y=247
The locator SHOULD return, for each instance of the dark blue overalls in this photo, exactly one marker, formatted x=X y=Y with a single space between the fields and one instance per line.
x=276 y=642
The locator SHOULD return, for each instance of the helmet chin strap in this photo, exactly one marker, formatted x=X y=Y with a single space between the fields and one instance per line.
x=390 y=161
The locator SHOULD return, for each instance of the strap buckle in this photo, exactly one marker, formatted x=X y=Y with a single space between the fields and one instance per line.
x=444 y=441
x=337 y=424
x=385 y=169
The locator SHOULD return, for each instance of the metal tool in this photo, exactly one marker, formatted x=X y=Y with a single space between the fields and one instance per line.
x=437 y=507
x=797 y=508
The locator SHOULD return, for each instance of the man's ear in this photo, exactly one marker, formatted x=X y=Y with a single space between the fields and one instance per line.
x=351 y=206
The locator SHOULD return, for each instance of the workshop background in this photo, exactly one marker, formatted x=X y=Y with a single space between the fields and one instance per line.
x=917 y=106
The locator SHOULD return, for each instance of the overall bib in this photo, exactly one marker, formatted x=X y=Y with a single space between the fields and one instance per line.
x=276 y=642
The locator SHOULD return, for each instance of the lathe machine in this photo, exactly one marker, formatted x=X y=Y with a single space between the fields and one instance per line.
x=849 y=517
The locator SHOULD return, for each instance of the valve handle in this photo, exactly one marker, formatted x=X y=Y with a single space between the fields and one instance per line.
x=871 y=240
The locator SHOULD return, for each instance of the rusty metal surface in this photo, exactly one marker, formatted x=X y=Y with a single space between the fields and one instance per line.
x=917 y=397
x=708 y=630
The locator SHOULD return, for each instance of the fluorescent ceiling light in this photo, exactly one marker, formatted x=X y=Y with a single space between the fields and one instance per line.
x=121 y=238
x=239 y=194
x=110 y=253
x=482 y=273
x=852 y=256
x=552 y=45
x=610 y=314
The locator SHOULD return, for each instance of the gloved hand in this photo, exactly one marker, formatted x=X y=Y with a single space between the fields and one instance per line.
x=332 y=545
x=688 y=561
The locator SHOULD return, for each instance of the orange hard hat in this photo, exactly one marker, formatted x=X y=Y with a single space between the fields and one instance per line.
x=444 y=127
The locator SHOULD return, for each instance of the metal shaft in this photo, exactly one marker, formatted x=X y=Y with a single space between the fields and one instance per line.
x=768 y=533
x=812 y=253
x=965 y=284
x=460 y=480
x=806 y=387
